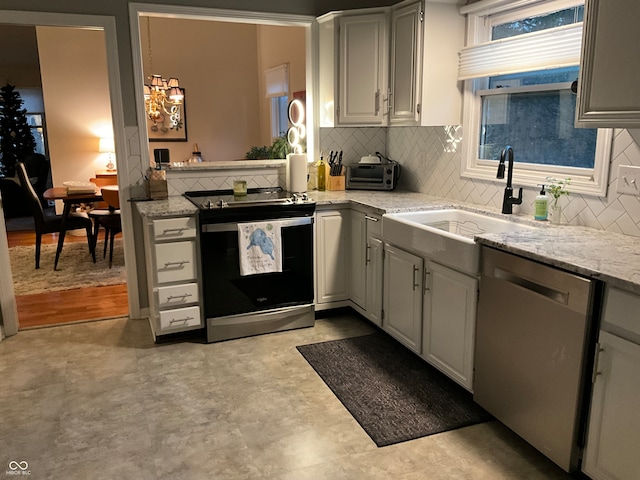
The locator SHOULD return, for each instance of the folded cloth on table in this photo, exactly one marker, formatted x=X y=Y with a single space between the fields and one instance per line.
x=79 y=187
x=260 y=247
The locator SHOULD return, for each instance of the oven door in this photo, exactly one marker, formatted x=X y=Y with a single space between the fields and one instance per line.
x=227 y=293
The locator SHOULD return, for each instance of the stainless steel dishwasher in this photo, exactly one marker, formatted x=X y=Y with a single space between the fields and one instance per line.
x=534 y=345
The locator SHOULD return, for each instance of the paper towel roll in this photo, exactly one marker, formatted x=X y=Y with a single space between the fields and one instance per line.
x=297 y=172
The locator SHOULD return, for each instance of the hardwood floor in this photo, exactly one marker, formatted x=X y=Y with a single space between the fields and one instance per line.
x=66 y=306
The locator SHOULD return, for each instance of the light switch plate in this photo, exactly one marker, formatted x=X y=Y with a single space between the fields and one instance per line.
x=629 y=180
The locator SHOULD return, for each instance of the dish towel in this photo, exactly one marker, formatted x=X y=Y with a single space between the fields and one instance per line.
x=260 y=247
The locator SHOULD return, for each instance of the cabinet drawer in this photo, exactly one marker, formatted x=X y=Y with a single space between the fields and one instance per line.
x=174 y=228
x=180 y=318
x=617 y=307
x=175 y=262
x=177 y=295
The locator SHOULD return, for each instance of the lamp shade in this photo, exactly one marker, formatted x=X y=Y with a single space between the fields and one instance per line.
x=106 y=145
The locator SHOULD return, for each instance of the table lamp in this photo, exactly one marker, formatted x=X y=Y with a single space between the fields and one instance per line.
x=106 y=145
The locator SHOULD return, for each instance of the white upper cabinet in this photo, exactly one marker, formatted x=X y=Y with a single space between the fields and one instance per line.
x=608 y=93
x=406 y=67
x=391 y=66
x=363 y=65
x=444 y=34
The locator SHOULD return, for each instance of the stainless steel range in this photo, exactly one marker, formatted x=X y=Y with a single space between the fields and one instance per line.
x=257 y=261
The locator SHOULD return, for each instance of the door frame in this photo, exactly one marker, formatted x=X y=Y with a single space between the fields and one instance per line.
x=108 y=25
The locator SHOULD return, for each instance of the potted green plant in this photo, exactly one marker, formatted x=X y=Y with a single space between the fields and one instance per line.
x=557 y=188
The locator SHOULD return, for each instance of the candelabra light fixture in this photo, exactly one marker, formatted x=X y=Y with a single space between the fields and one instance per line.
x=162 y=98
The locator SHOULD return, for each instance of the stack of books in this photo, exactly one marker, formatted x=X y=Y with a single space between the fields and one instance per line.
x=77 y=188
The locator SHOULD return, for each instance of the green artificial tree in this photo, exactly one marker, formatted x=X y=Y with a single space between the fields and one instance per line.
x=16 y=139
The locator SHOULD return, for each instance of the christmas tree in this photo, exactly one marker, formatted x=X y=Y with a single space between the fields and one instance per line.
x=16 y=139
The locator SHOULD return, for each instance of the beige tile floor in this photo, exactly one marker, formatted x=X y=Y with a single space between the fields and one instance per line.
x=101 y=401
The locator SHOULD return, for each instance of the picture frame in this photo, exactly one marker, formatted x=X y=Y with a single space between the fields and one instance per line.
x=162 y=132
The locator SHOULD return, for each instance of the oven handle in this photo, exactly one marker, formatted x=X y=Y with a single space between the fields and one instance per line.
x=233 y=227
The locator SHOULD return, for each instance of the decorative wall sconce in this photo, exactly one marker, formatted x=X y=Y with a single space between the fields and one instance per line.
x=298 y=131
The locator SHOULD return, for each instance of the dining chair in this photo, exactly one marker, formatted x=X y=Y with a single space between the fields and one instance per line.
x=109 y=219
x=46 y=222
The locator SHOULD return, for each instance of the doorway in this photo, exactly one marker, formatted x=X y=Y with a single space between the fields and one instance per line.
x=75 y=156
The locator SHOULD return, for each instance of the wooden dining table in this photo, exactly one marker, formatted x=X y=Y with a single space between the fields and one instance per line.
x=61 y=193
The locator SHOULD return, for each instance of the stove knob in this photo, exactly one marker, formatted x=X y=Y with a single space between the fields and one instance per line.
x=220 y=204
x=209 y=204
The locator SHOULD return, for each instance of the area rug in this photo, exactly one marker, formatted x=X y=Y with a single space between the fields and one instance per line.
x=75 y=268
x=394 y=395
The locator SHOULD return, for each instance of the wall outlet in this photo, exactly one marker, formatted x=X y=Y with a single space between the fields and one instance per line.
x=629 y=180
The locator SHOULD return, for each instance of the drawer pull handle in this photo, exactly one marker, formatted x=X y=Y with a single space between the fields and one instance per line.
x=415 y=284
x=171 y=298
x=371 y=219
x=177 y=230
x=180 y=320
x=367 y=259
x=179 y=264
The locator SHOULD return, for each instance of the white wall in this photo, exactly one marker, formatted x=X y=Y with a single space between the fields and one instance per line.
x=76 y=100
x=276 y=46
x=216 y=63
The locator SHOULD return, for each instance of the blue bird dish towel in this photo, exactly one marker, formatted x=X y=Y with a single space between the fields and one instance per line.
x=260 y=245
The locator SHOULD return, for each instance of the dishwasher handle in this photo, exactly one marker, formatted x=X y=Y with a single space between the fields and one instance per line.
x=551 y=293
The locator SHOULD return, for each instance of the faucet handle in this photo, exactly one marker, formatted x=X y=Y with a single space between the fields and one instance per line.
x=518 y=200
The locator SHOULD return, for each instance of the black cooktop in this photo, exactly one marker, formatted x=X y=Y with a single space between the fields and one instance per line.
x=258 y=203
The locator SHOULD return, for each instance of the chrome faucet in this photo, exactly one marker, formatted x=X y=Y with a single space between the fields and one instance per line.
x=508 y=200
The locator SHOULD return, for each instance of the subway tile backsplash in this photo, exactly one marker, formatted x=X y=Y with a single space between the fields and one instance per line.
x=430 y=159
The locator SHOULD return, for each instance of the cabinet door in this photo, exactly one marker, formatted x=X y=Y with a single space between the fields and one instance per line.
x=332 y=235
x=374 y=291
x=403 y=296
x=405 y=78
x=362 y=71
x=613 y=438
x=608 y=93
x=358 y=258
x=450 y=318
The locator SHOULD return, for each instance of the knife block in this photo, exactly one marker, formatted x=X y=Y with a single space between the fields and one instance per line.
x=336 y=182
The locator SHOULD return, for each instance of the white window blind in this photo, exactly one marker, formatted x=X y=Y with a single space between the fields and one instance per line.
x=552 y=48
x=277 y=81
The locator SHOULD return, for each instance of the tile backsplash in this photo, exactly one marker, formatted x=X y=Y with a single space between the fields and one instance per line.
x=431 y=163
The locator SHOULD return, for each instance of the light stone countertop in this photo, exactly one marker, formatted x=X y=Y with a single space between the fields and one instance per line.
x=228 y=165
x=607 y=256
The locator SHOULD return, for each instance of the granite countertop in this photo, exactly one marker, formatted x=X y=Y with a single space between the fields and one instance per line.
x=607 y=256
x=228 y=165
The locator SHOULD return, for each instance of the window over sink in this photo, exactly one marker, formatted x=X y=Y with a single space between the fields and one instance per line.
x=519 y=69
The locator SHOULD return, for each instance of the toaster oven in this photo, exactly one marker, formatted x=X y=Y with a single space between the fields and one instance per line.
x=381 y=176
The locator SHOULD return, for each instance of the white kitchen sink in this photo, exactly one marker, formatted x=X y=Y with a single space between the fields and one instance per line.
x=445 y=235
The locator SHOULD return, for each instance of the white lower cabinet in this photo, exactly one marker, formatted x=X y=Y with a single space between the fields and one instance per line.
x=332 y=254
x=366 y=265
x=613 y=436
x=402 y=317
x=172 y=263
x=375 y=268
x=448 y=335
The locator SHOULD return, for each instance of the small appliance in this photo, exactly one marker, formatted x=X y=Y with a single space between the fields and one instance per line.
x=371 y=175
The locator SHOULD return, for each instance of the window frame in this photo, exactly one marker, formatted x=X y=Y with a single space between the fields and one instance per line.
x=482 y=16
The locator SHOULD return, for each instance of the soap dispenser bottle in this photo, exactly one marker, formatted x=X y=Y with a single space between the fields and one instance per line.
x=541 y=205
